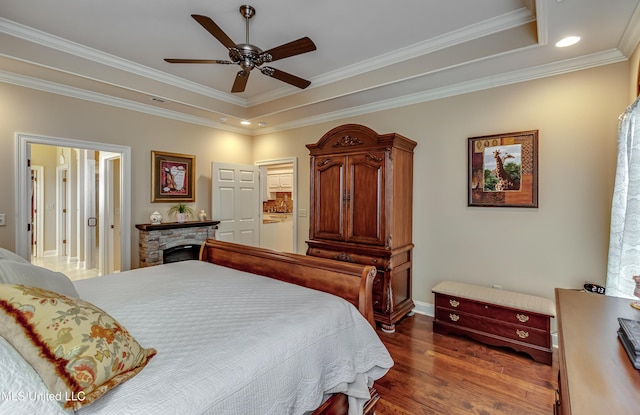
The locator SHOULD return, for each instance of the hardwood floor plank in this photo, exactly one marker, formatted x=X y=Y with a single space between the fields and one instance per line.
x=439 y=374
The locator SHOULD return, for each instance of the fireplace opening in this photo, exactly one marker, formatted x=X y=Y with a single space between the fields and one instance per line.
x=181 y=253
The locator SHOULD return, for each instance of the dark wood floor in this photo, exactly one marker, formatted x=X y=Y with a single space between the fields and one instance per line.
x=442 y=374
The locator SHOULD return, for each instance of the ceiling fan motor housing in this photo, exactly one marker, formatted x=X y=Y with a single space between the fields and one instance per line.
x=248 y=56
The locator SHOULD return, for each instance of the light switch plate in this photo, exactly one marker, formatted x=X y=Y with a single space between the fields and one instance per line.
x=2 y=219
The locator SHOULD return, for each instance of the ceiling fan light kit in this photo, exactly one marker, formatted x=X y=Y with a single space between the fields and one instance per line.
x=249 y=56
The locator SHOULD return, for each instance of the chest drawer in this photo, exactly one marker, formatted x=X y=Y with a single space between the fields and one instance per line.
x=381 y=263
x=510 y=331
x=492 y=311
x=495 y=317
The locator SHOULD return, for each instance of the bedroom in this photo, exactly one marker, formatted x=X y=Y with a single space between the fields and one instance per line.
x=561 y=244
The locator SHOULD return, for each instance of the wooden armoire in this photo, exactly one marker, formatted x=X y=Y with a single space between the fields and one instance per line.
x=361 y=210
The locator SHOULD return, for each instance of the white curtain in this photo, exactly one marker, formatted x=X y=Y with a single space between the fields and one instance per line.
x=624 y=242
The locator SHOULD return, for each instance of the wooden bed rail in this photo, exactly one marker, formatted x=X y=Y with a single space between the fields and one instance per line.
x=349 y=281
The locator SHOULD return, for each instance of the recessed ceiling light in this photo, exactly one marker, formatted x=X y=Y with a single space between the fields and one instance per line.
x=568 y=41
x=262 y=124
x=245 y=122
x=223 y=119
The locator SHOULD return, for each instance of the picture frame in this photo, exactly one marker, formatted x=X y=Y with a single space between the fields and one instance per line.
x=172 y=177
x=503 y=170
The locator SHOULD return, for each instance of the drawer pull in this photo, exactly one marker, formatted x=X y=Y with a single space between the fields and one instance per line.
x=454 y=317
x=522 y=318
x=454 y=303
x=522 y=334
x=344 y=257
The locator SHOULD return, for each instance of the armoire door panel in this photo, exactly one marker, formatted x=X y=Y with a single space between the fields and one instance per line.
x=366 y=198
x=329 y=198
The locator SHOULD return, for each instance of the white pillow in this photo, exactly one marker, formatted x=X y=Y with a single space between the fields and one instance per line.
x=21 y=389
x=12 y=256
x=31 y=275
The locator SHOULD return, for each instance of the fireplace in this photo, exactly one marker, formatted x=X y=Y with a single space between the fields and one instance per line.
x=181 y=253
x=179 y=241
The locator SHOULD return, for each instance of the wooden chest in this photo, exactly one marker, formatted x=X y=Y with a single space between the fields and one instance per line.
x=496 y=317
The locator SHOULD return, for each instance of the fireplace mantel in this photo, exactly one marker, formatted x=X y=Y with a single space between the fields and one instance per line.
x=155 y=238
x=175 y=225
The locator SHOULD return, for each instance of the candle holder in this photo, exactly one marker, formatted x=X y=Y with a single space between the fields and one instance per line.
x=636 y=292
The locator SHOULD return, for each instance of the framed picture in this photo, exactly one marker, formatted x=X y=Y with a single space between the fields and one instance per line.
x=503 y=170
x=172 y=177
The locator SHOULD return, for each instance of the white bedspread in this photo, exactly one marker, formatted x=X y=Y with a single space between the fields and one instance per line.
x=234 y=343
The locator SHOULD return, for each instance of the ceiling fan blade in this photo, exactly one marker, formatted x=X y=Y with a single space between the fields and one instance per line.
x=215 y=30
x=285 y=77
x=173 y=60
x=241 y=81
x=297 y=47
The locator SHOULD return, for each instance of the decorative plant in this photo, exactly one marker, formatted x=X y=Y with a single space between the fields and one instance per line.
x=181 y=208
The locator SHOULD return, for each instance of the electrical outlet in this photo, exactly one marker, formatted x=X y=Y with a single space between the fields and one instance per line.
x=3 y=219
x=497 y=286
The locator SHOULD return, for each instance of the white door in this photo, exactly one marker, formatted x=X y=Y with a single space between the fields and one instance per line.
x=109 y=212
x=62 y=211
x=37 y=210
x=90 y=212
x=235 y=202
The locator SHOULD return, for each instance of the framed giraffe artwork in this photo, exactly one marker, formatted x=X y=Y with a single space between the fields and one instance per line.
x=503 y=170
x=172 y=177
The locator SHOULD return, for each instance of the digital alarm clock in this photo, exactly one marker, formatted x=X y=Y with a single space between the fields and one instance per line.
x=592 y=287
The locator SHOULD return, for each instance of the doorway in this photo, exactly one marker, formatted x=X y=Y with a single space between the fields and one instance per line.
x=88 y=216
x=278 y=193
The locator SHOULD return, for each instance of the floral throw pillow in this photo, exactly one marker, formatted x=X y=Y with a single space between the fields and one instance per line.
x=79 y=351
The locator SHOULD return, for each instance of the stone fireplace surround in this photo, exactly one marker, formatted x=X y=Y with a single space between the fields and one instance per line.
x=154 y=239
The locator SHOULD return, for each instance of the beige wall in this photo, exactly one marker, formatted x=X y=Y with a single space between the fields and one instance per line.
x=561 y=244
x=30 y=111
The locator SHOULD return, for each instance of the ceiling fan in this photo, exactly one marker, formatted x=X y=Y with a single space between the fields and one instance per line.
x=249 y=56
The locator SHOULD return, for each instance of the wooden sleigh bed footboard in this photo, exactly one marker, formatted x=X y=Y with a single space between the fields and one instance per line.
x=349 y=281
x=352 y=282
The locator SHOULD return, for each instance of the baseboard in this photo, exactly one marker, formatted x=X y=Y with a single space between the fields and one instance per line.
x=424 y=308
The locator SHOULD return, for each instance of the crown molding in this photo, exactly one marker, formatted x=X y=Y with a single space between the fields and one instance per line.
x=630 y=37
x=541 y=12
x=557 y=68
x=54 y=42
x=59 y=89
x=523 y=75
x=497 y=24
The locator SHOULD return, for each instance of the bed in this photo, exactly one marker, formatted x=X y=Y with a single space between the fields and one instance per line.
x=217 y=337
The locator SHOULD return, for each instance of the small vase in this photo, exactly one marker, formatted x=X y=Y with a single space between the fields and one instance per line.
x=181 y=217
x=155 y=218
x=202 y=215
x=636 y=292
